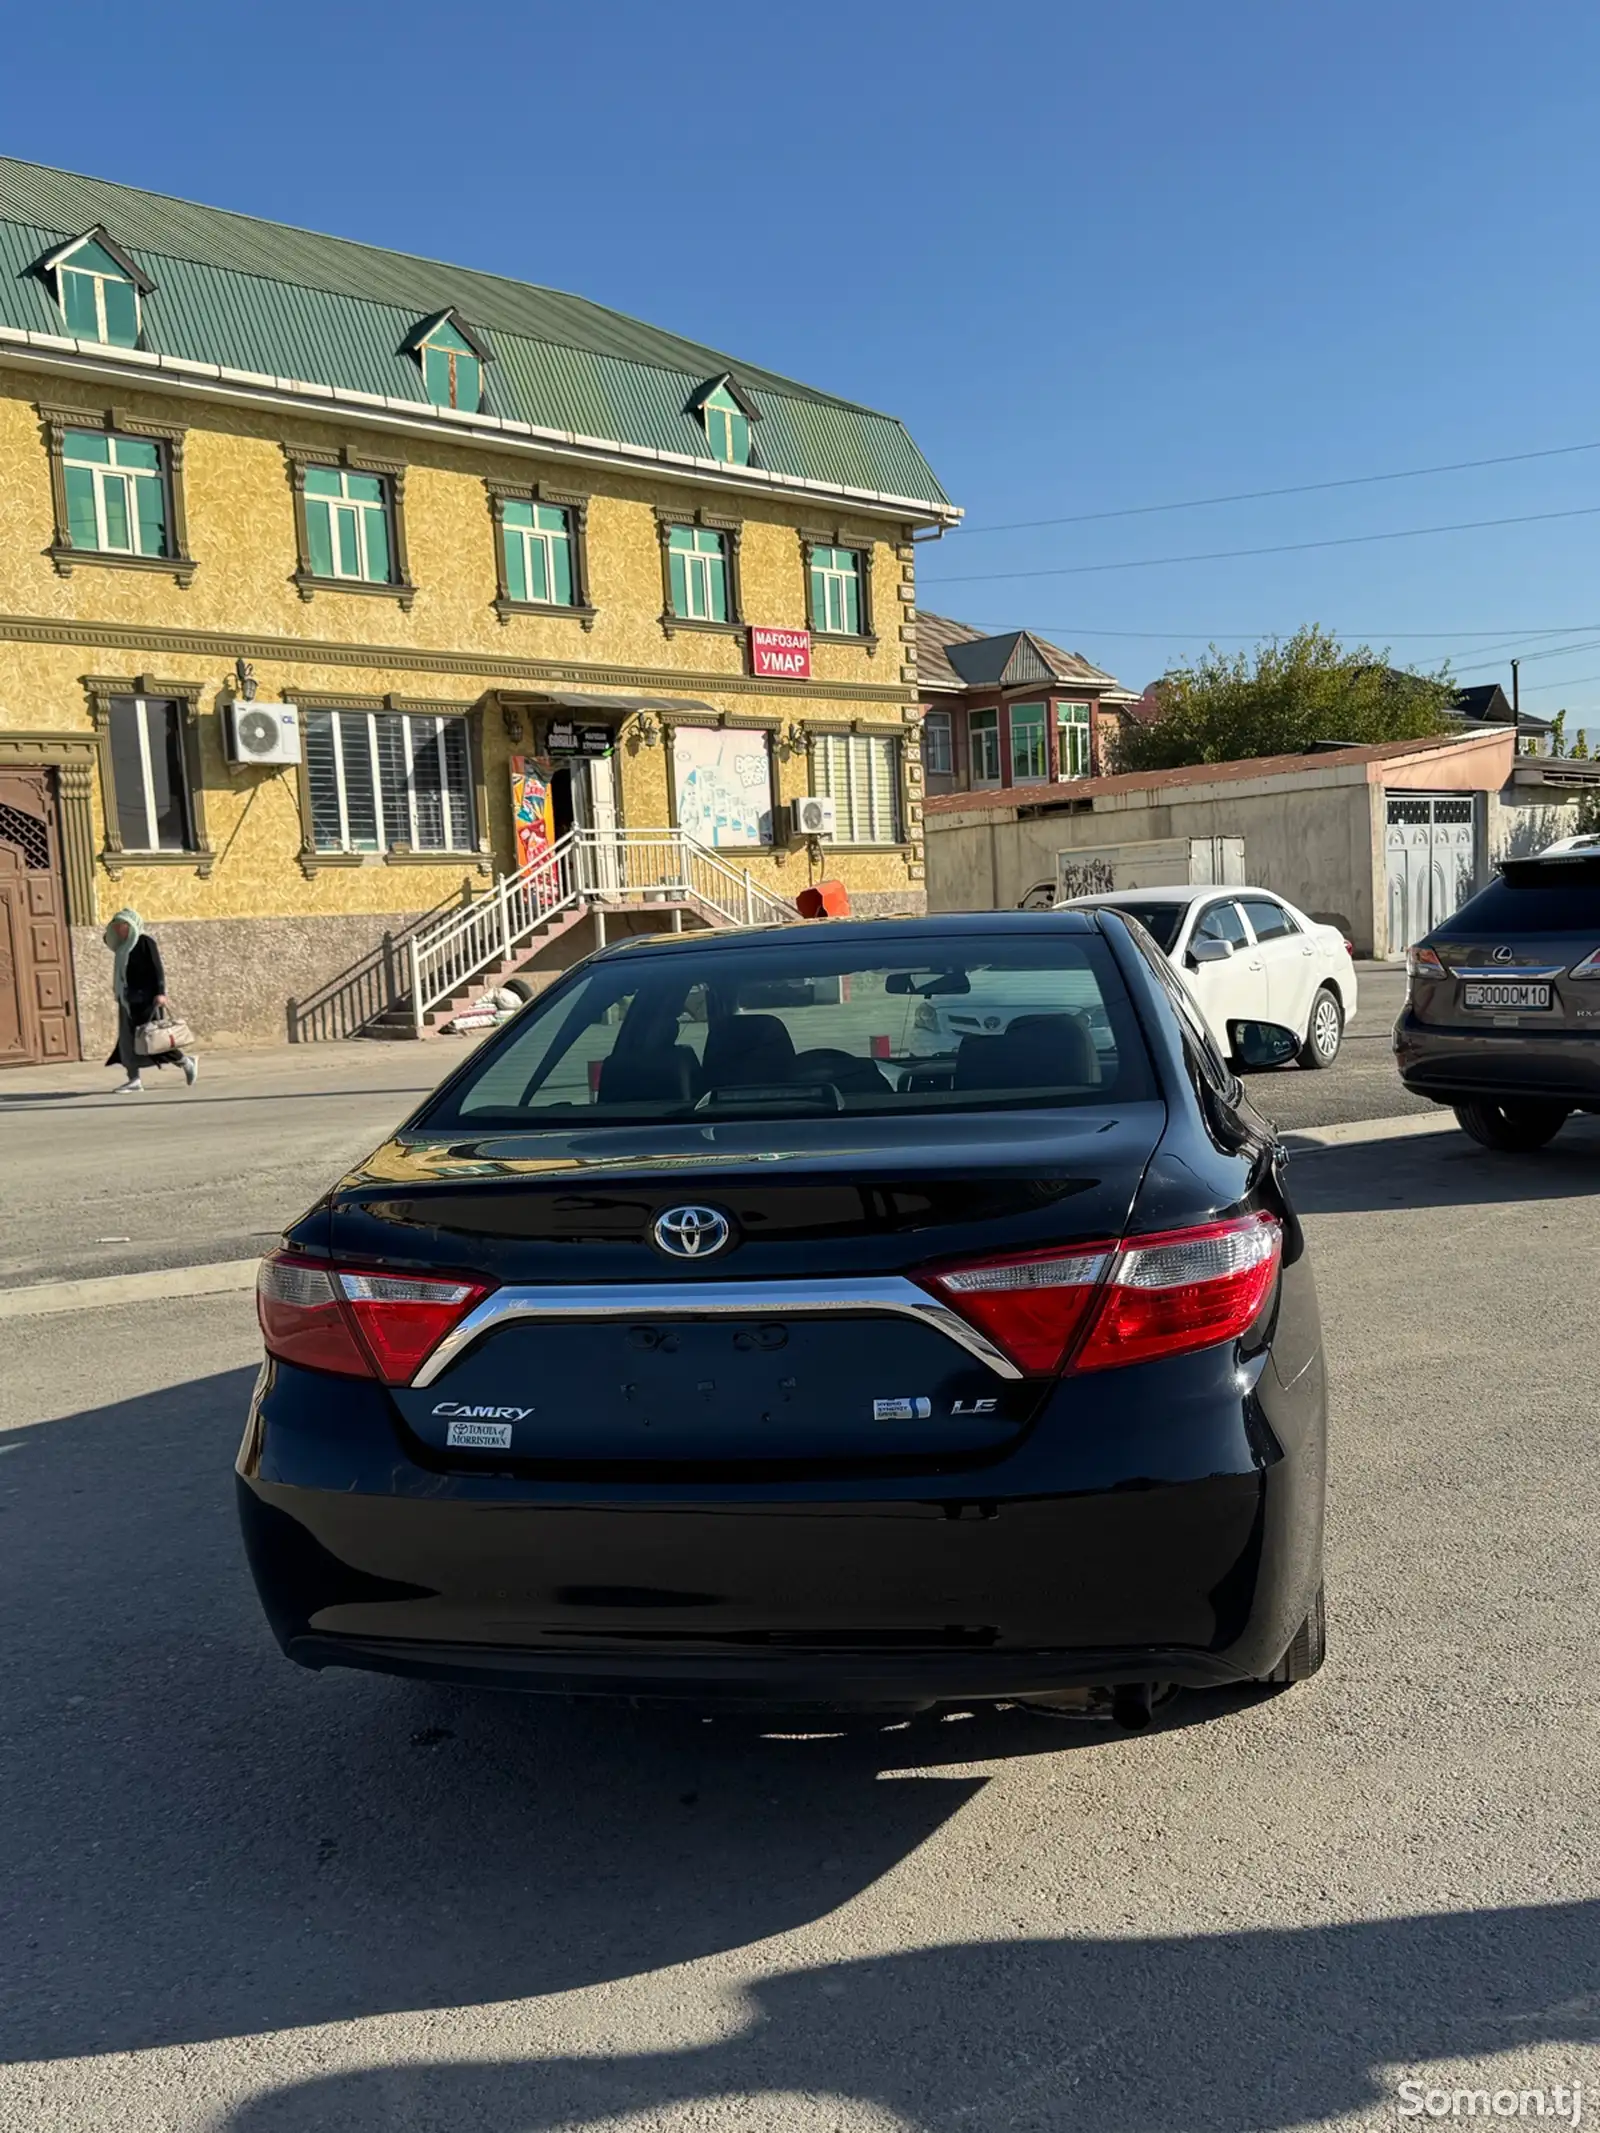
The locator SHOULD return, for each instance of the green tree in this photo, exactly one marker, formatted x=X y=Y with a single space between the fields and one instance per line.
x=1558 y=734
x=1280 y=699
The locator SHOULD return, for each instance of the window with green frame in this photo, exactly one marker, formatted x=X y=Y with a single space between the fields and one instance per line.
x=727 y=428
x=1028 y=761
x=536 y=541
x=698 y=565
x=1072 y=740
x=98 y=299
x=117 y=499
x=452 y=373
x=347 y=525
x=836 y=591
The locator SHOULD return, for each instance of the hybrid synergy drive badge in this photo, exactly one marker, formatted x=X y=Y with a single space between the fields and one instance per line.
x=901 y=1410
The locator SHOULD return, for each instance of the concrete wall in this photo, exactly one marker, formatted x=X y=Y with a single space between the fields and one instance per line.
x=1312 y=842
x=1523 y=820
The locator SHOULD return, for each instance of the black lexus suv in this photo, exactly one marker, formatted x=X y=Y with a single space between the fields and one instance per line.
x=717 y=1332
x=1502 y=1013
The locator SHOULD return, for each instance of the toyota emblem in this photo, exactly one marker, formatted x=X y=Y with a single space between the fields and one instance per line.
x=1502 y=955
x=692 y=1232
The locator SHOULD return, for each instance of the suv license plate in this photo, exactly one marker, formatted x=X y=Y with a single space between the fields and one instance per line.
x=1504 y=996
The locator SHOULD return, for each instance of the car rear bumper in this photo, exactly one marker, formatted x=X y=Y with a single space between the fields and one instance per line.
x=1161 y=1539
x=1448 y=1063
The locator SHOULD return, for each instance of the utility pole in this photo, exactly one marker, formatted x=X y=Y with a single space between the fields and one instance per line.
x=1516 y=692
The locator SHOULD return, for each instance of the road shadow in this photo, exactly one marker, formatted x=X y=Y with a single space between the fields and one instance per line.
x=201 y=1840
x=1208 y=2034
x=1444 y=1169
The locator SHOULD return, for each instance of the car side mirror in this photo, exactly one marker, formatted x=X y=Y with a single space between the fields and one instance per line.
x=1262 y=1044
x=1207 y=950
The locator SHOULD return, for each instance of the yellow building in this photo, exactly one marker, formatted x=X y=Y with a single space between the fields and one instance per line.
x=362 y=616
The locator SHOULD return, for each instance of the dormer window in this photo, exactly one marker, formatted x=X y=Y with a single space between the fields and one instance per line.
x=451 y=357
x=98 y=289
x=725 y=413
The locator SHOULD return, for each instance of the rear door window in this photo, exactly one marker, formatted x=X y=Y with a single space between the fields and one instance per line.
x=1268 y=920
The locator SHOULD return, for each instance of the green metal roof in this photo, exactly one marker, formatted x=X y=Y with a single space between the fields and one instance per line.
x=260 y=296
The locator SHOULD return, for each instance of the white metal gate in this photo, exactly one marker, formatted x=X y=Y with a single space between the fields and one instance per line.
x=1431 y=861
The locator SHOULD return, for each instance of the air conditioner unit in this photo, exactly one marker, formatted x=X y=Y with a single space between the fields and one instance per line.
x=813 y=817
x=262 y=734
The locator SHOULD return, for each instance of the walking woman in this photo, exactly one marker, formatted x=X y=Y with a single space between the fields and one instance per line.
x=140 y=984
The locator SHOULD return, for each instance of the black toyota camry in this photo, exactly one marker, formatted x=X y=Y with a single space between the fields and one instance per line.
x=868 y=1314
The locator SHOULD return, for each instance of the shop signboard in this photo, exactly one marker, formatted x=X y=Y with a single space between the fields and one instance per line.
x=784 y=655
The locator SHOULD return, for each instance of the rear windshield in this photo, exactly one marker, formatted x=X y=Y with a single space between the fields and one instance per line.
x=801 y=1028
x=1160 y=921
x=1553 y=902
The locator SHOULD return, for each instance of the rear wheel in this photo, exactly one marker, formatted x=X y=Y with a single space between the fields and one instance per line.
x=1308 y=1647
x=1324 y=1030
x=1515 y=1124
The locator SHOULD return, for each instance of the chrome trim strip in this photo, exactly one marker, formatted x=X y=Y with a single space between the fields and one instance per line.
x=1505 y=973
x=890 y=1293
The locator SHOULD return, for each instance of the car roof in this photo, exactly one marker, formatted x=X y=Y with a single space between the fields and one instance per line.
x=1187 y=892
x=890 y=935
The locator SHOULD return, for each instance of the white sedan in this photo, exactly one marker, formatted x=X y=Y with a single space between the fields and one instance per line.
x=1247 y=955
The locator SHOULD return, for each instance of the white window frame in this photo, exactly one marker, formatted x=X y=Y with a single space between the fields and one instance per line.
x=362 y=507
x=147 y=793
x=946 y=728
x=546 y=537
x=64 y=267
x=452 y=803
x=1072 y=726
x=987 y=733
x=105 y=471
x=854 y=797
x=697 y=562
x=834 y=582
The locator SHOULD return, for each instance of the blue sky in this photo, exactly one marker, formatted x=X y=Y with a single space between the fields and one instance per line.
x=1095 y=257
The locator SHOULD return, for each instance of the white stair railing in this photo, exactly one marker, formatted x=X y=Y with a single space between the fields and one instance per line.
x=610 y=869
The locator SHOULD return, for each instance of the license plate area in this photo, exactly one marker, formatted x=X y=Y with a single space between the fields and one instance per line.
x=1504 y=997
x=705 y=1390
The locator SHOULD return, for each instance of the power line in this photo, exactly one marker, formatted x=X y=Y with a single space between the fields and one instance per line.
x=1304 y=488
x=1225 y=555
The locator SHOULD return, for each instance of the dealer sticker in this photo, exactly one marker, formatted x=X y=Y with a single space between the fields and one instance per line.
x=901 y=1410
x=482 y=1436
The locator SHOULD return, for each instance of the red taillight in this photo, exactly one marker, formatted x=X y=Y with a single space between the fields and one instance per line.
x=1423 y=962
x=1097 y=1306
x=1588 y=968
x=1188 y=1289
x=1032 y=1307
x=1350 y=950
x=358 y=1324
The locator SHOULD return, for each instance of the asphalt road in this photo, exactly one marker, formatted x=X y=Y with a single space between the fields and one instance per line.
x=97 y=1183
x=239 y=1898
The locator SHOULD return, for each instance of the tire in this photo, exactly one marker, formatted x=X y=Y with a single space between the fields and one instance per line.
x=1324 y=1030
x=1514 y=1125
x=1308 y=1647
x=523 y=990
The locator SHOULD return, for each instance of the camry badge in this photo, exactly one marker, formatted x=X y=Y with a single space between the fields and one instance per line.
x=692 y=1232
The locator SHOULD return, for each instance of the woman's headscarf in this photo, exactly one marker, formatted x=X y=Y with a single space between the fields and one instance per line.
x=122 y=948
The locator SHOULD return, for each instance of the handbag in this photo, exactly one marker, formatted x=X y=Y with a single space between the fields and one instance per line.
x=166 y=1033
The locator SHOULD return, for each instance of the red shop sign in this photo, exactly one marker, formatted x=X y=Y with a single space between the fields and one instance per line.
x=784 y=654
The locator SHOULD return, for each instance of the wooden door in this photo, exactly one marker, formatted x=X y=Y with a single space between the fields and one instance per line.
x=38 y=1016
